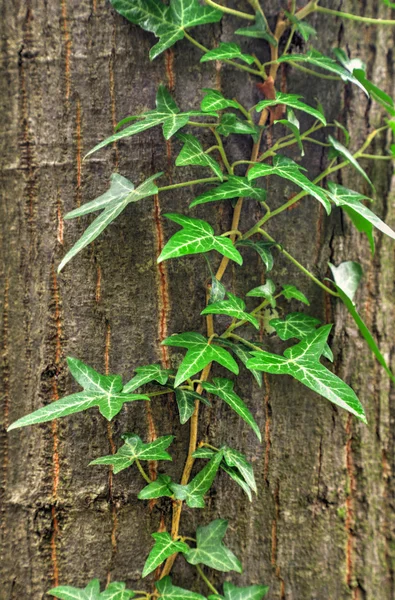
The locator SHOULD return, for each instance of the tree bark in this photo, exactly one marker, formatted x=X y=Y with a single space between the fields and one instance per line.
x=322 y=526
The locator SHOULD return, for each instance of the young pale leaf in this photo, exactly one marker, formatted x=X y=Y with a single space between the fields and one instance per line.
x=346 y=280
x=217 y=290
x=168 y=591
x=288 y=169
x=200 y=353
x=291 y=291
x=193 y=493
x=164 y=547
x=242 y=354
x=227 y=51
x=134 y=449
x=233 y=307
x=230 y=123
x=103 y=391
x=262 y=249
x=214 y=100
x=253 y=592
x=211 y=551
x=186 y=403
x=265 y=291
x=235 y=187
x=196 y=237
x=293 y=101
x=346 y=154
x=302 y=363
x=66 y=592
x=167 y=22
x=350 y=200
x=223 y=388
x=116 y=591
x=115 y=201
x=298 y=325
x=157 y=489
x=258 y=30
x=146 y=375
x=192 y=153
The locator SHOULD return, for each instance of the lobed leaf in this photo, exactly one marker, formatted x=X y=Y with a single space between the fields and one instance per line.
x=298 y=325
x=157 y=489
x=235 y=187
x=233 y=307
x=210 y=549
x=147 y=374
x=193 y=492
x=164 y=547
x=168 y=591
x=227 y=51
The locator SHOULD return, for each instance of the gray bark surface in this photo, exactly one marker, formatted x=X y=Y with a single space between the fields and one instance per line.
x=322 y=527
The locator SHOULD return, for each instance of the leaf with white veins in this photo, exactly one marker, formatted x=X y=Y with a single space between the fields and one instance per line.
x=211 y=550
x=164 y=547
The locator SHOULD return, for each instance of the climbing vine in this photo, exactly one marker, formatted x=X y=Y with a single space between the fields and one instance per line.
x=230 y=326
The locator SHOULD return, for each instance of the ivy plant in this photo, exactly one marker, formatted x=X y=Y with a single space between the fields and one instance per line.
x=271 y=127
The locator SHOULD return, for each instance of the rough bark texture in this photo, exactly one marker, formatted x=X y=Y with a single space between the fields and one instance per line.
x=323 y=524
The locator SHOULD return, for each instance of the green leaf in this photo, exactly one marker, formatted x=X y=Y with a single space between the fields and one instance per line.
x=290 y=291
x=347 y=277
x=262 y=249
x=168 y=23
x=164 y=547
x=230 y=123
x=217 y=290
x=346 y=154
x=146 y=375
x=193 y=492
x=292 y=123
x=375 y=92
x=157 y=489
x=302 y=362
x=235 y=187
x=186 y=403
x=116 y=591
x=232 y=471
x=293 y=101
x=265 y=291
x=305 y=29
x=242 y=354
x=134 y=449
x=258 y=30
x=200 y=353
x=298 y=325
x=253 y=592
x=288 y=169
x=227 y=51
x=214 y=100
x=211 y=551
x=66 y=592
x=196 y=237
x=236 y=459
x=223 y=388
x=192 y=153
x=168 y=591
x=113 y=202
x=103 y=391
x=351 y=201
x=233 y=307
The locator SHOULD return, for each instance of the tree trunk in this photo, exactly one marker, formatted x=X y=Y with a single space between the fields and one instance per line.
x=322 y=526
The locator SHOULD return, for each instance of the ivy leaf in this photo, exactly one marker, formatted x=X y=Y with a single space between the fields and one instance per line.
x=346 y=154
x=242 y=354
x=186 y=403
x=134 y=449
x=200 y=353
x=298 y=325
x=113 y=202
x=146 y=375
x=116 y=591
x=232 y=307
x=235 y=187
x=232 y=470
x=223 y=388
x=230 y=123
x=214 y=100
x=196 y=237
x=192 y=153
x=157 y=489
x=237 y=478
x=168 y=23
x=193 y=492
x=227 y=51
x=217 y=290
x=347 y=276
x=258 y=30
x=290 y=291
x=302 y=362
x=375 y=92
x=265 y=291
x=262 y=249
x=305 y=29
x=236 y=459
x=293 y=101
x=164 y=547
x=66 y=592
x=253 y=592
x=292 y=123
x=211 y=551
x=351 y=202
x=288 y=169
x=103 y=391
x=168 y=591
